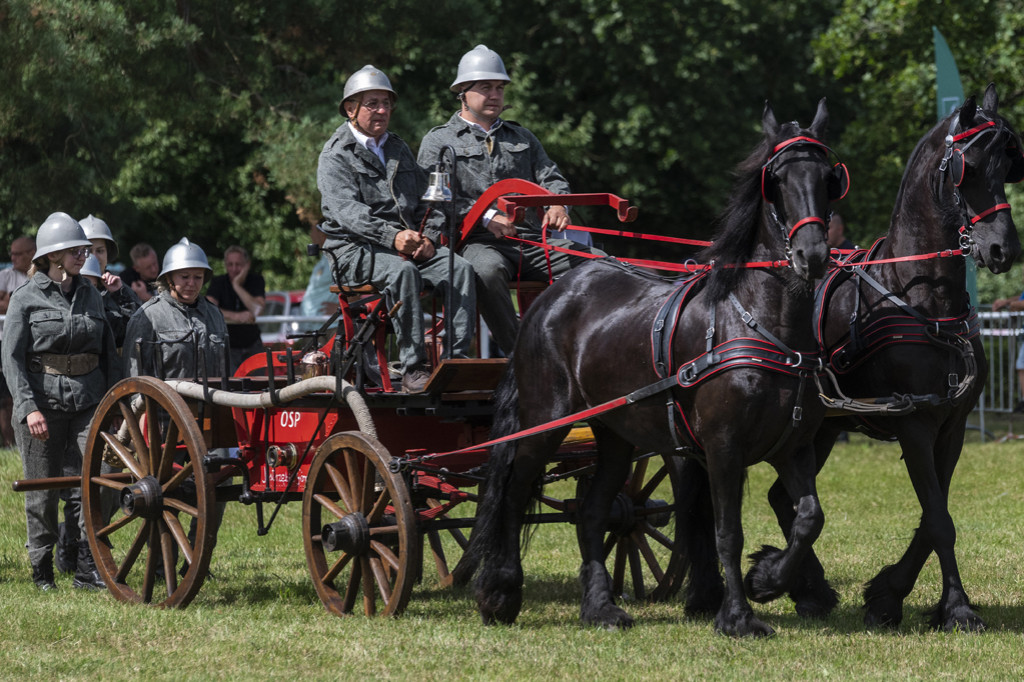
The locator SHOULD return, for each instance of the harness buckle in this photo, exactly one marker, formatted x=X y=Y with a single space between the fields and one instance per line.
x=953 y=380
x=748 y=319
x=710 y=334
x=798 y=413
x=687 y=374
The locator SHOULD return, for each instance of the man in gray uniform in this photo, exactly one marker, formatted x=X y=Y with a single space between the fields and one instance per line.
x=489 y=149
x=380 y=232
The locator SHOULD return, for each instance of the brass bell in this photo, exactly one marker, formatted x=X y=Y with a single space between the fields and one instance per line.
x=438 y=190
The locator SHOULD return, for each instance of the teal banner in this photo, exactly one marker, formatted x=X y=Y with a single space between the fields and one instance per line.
x=949 y=94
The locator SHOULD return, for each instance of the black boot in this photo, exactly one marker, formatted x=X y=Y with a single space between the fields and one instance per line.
x=87 y=577
x=42 y=574
x=67 y=547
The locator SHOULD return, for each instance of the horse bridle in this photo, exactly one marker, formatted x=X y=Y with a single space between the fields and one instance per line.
x=840 y=174
x=953 y=163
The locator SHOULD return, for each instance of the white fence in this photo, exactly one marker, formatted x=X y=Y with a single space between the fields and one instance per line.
x=1002 y=333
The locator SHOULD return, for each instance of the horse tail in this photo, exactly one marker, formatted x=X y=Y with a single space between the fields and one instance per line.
x=487 y=536
x=696 y=528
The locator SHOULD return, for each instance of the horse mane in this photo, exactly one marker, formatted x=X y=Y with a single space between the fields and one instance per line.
x=736 y=232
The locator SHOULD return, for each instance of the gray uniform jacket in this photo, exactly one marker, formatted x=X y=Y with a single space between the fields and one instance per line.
x=363 y=201
x=40 y=319
x=165 y=339
x=515 y=153
x=120 y=305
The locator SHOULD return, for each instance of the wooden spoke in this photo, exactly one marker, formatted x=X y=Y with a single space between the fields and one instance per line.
x=338 y=567
x=180 y=538
x=350 y=487
x=116 y=525
x=179 y=476
x=646 y=561
x=138 y=554
x=330 y=506
x=153 y=440
x=126 y=456
x=132 y=555
x=340 y=486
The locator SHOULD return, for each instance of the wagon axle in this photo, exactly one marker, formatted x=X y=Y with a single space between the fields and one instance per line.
x=143 y=498
x=351 y=535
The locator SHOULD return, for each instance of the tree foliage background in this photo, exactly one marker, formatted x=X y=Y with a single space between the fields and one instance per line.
x=205 y=119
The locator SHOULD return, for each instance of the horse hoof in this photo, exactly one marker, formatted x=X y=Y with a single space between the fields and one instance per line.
x=499 y=608
x=816 y=604
x=748 y=626
x=610 y=618
x=880 y=619
x=961 y=619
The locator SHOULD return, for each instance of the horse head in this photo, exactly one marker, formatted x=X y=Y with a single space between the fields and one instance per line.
x=982 y=153
x=797 y=183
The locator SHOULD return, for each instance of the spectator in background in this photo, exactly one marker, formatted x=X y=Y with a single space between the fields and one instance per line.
x=240 y=295
x=837 y=234
x=22 y=251
x=143 y=271
x=1014 y=305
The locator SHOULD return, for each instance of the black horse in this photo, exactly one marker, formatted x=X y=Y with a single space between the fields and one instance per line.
x=951 y=197
x=739 y=353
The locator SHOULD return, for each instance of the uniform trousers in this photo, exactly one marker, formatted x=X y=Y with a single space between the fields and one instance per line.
x=59 y=455
x=497 y=262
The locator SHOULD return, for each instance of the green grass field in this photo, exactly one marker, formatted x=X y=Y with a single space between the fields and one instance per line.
x=260 y=618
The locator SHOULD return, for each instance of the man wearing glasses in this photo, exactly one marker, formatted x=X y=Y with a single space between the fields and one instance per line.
x=379 y=231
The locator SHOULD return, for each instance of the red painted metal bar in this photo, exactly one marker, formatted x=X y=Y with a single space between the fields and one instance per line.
x=532 y=195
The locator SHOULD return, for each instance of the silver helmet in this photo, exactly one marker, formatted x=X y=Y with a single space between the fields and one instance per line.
x=58 y=232
x=479 y=64
x=91 y=266
x=98 y=229
x=184 y=255
x=367 y=78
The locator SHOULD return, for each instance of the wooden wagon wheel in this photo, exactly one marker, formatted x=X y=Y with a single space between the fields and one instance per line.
x=137 y=546
x=647 y=564
x=359 y=528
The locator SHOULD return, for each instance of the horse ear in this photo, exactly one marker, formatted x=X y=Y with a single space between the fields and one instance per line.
x=838 y=182
x=967 y=113
x=768 y=122
x=820 y=124
x=990 y=102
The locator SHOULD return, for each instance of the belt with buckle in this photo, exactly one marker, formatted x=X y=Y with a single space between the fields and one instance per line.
x=73 y=365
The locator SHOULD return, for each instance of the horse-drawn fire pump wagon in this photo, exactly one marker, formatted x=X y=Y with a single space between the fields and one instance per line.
x=386 y=479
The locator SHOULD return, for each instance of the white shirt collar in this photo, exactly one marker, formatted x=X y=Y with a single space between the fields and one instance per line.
x=370 y=143
x=494 y=126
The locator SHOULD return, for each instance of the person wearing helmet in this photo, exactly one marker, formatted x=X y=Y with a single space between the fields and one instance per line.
x=178 y=334
x=378 y=230
x=59 y=359
x=119 y=301
x=488 y=149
